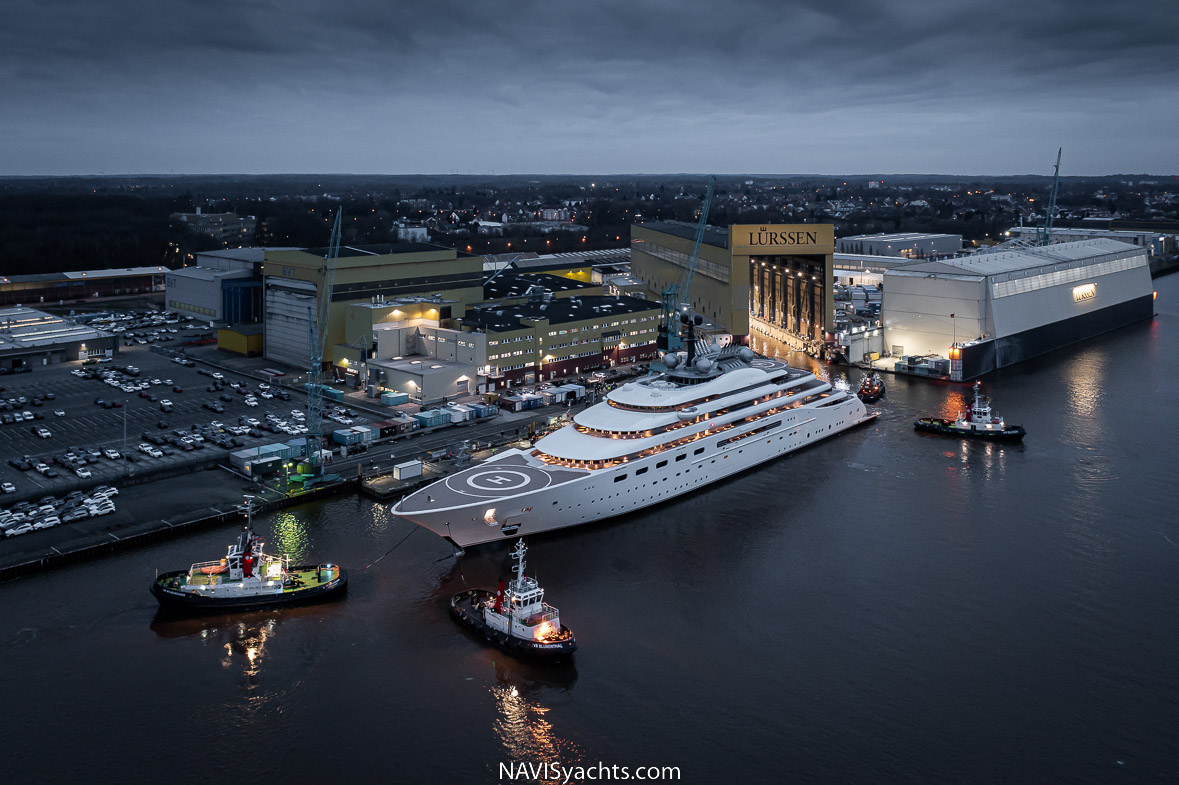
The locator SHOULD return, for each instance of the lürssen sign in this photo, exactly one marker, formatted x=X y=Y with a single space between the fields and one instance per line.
x=1086 y=291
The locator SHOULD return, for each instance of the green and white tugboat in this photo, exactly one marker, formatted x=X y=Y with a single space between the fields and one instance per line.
x=247 y=578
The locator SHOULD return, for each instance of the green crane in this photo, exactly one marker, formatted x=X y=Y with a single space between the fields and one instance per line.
x=678 y=295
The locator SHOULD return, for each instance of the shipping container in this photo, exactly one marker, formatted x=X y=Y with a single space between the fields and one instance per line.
x=346 y=436
x=394 y=398
x=404 y=471
x=512 y=403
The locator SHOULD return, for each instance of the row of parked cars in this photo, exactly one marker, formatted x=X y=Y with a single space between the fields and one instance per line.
x=199 y=437
x=75 y=460
x=51 y=510
x=16 y=409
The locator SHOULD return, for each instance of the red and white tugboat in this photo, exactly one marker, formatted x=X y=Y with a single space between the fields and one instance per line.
x=977 y=422
x=871 y=388
x=247 y=578
x=516 y=619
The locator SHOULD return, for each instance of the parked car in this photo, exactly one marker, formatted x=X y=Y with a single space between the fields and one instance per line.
x=8 y=487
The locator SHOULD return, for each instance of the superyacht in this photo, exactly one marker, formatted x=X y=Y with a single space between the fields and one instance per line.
x=710 y=415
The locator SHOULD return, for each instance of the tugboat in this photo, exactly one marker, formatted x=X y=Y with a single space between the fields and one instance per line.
x=871 y=388
x=516 y=619
x=247 y=578
x=977 y=422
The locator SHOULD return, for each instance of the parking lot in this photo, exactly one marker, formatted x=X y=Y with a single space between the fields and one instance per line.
x=87 y=428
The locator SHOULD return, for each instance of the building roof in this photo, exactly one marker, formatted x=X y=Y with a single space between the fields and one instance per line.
x=77 y=275
x=249 y=254
x=508 y=285
x=900 y=237
x=381 y=249
x=199 y=273
x=558 y=311
x=245 y=329
x=713 y=235
x=28 y=328
x=1020 y=259
x=421 y=365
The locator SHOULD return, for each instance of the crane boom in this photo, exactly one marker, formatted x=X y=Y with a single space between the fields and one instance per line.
x=1046 y=237
x=679 y=295
x=318 y=328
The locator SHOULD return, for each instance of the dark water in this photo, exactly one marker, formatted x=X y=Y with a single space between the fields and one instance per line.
x=885 y=607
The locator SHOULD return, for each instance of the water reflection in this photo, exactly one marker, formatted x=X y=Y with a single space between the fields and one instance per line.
x=239 y=641
x=288 y=534
x=523 y=727
x=953 y=405
x=381 y=519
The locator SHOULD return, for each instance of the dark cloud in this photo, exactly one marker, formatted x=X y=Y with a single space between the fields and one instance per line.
x=610 y=86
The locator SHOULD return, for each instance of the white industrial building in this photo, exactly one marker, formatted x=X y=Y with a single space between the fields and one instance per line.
x=1157 y=244
x=911 y=245
x=991 y=310
x=213 y=289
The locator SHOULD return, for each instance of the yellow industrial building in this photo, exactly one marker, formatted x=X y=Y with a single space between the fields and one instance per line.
x=776 y=273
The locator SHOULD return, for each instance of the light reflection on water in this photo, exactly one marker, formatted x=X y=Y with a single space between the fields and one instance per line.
x=523 y=727
x=289 y=536
x=240 y=642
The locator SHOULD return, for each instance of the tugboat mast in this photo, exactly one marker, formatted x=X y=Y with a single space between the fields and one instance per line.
x=518 y=553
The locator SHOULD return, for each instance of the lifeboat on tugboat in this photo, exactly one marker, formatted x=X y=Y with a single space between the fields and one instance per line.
x=977 y=422
x=516 y=618
x=247 y=578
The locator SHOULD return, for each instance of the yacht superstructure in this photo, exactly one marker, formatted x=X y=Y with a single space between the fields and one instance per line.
x=716 y=413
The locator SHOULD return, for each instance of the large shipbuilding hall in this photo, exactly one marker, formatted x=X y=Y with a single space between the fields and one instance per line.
x=991 y=310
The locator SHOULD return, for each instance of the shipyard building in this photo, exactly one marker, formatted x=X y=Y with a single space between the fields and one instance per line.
x=991 y=310
x=778 y=275
x=29 y=337
x=911 y=245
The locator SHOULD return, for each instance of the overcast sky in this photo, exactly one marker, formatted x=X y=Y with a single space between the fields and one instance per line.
x=596 y=86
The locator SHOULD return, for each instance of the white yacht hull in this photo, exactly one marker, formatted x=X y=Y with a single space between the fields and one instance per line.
x=571 y=497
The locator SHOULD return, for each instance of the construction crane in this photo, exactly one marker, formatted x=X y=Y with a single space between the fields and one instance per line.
x=1045 y=234
x=678 y=296
x=318 y=326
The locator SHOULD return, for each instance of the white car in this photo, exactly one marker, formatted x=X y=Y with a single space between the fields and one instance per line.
x=112 y=454
x=168 y=382
x=216 y=424
x=83 y=472
x=107 y=490
x=8 y=488
x=145 y=448
x=44 y=433
x=219 y=376
x=165 y=402
x=263 y=386
x=266 y=394
x=250 y=401
x=47 y=522
x=59 y=412
x=253 y=423
x=41 y=467
x=15 y=530
x=157 y=381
